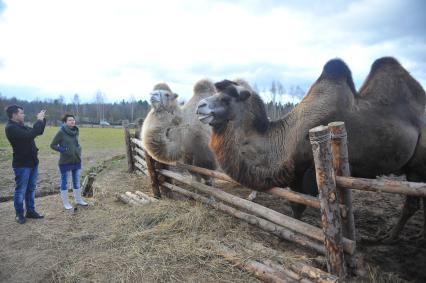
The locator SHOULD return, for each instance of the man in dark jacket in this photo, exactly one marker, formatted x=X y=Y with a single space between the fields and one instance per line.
x=25 y=161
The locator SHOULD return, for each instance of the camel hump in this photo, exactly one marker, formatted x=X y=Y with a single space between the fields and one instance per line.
x=389 y=84
x=162 y=86
x=383 y=62
x=336 y=69
x=204 y=86
x=244 y=84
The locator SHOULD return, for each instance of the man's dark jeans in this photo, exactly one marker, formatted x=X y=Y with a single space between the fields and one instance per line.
x=26 y=185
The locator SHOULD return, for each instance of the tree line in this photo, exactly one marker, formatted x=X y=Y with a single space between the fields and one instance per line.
x=132 y=109
x=86 y=113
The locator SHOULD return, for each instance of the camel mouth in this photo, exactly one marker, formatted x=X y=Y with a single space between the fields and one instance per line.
x=205 y=118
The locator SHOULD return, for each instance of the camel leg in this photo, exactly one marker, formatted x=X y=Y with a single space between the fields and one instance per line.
x=308 y=187
x=422 y=234
x=297 y=209
x=411 y=205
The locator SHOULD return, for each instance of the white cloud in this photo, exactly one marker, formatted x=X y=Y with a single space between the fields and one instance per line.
x=124 y=48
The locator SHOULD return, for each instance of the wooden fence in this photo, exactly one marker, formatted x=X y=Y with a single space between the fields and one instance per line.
x=336 y=239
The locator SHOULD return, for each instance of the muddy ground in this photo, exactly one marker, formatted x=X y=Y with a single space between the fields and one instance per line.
x=110 y=241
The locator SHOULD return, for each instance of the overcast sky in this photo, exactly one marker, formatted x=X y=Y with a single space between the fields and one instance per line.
x=123 y=48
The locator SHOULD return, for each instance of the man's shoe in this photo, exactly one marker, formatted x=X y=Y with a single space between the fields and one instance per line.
x=34 y=215
x=20 y=219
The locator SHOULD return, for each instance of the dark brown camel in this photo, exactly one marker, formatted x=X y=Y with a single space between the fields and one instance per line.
x=385 y=125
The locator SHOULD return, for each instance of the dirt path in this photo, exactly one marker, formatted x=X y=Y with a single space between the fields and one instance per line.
x=49 y=177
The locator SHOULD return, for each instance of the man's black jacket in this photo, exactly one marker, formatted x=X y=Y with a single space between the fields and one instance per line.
x=22 y=140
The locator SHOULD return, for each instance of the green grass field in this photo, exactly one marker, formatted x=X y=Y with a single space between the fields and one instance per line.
x=90 y=139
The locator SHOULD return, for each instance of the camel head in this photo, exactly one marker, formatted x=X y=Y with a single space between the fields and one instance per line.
x=162 y=98
x=233 y=102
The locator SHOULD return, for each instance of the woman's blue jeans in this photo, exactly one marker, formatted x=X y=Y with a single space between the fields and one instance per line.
x=75 y=179
x=26 y=185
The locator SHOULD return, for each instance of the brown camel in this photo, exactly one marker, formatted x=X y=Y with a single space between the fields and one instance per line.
x=171 y=133
x=386 y=131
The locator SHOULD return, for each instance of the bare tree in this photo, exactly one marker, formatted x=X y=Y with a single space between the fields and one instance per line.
x=273 y=91
x=99 y=97
x=76 y=104
x=132 y=106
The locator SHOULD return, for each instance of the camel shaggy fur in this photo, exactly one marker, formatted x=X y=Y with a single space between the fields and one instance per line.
x=384 y=120
x=171 y=133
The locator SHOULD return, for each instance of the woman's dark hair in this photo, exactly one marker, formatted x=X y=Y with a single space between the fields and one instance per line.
x=12 y=109
x=66 y=116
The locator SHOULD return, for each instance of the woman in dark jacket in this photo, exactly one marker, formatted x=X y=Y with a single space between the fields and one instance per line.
x=66 y=142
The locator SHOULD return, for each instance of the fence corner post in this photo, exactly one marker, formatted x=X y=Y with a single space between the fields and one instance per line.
x=320 y=138
x=339 y=147
x=129 y=154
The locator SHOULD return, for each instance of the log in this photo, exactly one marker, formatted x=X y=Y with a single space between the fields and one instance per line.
x=140 y=160
x=141 y=168
x=126 y=199
x=206 y=172
x=288 y=272
x=314 y=273
x=137 y=142
x=139 y=153
x=129 y=154
x=339 y=147
x=281 y=192
x=150 y=164
x=87 y=187
x=382 y=186
x=258 y=269
x=257 y=209
x=251 y=219
x=295 y=196
x=341 y=167
x=136 y=198
x=145 y=196
x=320 y=138
x=301 y=268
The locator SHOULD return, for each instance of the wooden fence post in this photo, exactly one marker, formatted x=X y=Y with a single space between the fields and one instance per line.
x=339 y=147
x=150 y=163
x=320 y=138
x=138 y=130
x=129 y=153
x=341 y=167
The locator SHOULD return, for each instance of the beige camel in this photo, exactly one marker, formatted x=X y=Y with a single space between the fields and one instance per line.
x=171 y=133
x=384 y=123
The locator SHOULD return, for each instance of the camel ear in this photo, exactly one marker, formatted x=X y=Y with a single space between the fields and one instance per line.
x=243 y=95
x=222 y=85
x=175 y=95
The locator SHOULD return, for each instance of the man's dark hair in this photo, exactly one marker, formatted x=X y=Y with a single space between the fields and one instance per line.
x=66 y=116
x=12 y=109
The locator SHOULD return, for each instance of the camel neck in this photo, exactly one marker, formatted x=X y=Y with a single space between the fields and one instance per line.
x=252 y=158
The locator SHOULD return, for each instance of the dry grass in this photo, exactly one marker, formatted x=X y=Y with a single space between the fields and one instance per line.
x=167 y=241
